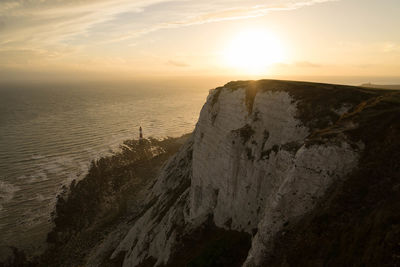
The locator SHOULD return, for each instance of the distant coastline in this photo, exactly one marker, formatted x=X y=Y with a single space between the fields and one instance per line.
x=382 y=86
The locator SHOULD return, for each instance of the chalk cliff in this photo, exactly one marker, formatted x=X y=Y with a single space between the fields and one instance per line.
x=264 y=155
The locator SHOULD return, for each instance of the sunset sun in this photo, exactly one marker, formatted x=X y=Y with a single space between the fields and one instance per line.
x=253 y=51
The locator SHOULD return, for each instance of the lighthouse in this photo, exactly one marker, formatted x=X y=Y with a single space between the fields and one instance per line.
x=140 y=133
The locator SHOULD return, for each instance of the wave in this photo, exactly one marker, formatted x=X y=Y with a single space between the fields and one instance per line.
x=37 y=157
x=7 y=191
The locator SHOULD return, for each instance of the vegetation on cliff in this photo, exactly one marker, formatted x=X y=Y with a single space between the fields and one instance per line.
x=357 y=223
x=94 y=206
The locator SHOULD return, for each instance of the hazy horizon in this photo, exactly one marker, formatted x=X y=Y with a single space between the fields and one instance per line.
x=179 y=82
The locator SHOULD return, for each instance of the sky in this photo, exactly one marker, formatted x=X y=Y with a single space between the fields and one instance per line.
x=244 y=38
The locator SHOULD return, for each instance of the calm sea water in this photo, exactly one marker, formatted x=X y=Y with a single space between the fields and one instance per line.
x=49 y=134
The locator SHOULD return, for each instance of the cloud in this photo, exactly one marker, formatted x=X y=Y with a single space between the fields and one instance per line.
x=177 y=63
x=306 y=64
x=8 y=5
x=45 y=21
x=39 y=21
x=51 y=28
x=390 y=47
x=218 y=13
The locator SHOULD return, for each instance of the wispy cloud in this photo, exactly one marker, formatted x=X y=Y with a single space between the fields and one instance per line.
x=390 y=47
x=48 y=21
x=45 y=30
x=177 y=63
x=307 y=64
x=219 y=12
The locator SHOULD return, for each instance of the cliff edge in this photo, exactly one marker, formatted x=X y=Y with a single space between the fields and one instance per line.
x=276 y=172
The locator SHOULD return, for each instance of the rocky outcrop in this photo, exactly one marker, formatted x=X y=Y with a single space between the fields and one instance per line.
x=264 y=156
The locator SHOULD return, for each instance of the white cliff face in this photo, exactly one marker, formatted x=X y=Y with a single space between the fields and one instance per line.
x=235 y=167
x=252 y=170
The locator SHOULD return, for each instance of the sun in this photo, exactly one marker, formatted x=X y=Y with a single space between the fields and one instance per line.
x=253 y=51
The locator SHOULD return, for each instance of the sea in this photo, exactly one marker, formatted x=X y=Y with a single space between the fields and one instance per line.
x=49 y=134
